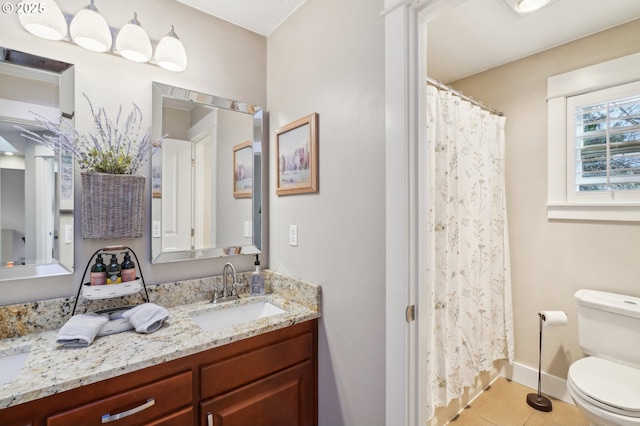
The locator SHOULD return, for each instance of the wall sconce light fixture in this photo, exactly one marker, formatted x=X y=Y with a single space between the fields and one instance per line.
x=170 y=53
x=47 y=23
x=90 y=30
x=133 y=42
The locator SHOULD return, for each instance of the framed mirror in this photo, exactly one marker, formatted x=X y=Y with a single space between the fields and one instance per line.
x=206 y=176
x=36 y=184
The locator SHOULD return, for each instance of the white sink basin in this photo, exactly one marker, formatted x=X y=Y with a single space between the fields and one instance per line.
x=11 y=363
x=215 y=319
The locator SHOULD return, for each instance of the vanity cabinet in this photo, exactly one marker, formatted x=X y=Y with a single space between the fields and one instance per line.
x=273 y=385
x=269 y=379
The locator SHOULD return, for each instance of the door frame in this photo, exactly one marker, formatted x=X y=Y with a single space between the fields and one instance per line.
x=405 y=93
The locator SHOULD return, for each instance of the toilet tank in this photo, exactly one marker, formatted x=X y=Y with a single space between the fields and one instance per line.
x=609 y=326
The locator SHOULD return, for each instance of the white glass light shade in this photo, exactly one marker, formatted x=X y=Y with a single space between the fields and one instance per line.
x=526 y=6
x=48 y=22
x=133 y=42
x=170 y=53
x=90 y=30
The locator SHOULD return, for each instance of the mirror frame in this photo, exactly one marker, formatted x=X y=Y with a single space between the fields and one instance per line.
x=29 y=66
x=162 y=91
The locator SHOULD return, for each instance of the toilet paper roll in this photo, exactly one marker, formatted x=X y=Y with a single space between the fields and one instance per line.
x=554 y=318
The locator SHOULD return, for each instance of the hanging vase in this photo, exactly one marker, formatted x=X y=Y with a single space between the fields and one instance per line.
x=112 y=205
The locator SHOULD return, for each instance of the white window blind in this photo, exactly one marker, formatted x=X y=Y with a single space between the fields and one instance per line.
x=607 y=141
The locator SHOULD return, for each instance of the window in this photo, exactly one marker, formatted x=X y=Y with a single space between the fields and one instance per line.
x=594 y=142
x=606 y=133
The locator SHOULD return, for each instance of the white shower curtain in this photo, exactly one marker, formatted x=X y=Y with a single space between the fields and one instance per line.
x=469 y=310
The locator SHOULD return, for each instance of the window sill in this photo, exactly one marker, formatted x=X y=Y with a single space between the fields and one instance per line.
x=627 y=212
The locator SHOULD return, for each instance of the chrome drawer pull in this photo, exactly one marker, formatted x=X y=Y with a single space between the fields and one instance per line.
x=109 y=418
x=209 y=419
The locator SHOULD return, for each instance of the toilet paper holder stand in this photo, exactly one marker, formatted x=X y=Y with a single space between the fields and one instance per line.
x=537 y=400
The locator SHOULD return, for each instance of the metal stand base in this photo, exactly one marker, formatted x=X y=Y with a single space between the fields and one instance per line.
x=541 y=403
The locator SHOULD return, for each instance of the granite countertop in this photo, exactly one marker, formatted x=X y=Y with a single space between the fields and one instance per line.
x=51 y=369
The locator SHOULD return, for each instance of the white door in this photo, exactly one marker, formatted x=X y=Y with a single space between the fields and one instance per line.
x=176 y=187
x=204 y=190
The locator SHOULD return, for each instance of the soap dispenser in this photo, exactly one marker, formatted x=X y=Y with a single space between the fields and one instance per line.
x=113 y=271
x=98 y=272
x=127 y=268
x=257 y=279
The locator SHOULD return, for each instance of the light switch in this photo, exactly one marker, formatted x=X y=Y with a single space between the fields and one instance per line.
x=293 y=235
x=68 y=234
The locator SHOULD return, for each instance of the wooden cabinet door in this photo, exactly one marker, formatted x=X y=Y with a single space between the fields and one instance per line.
x=286 y=398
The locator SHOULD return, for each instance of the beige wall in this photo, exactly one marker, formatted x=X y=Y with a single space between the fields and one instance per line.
x=552 y=259
x=224 y=60
x=328 y=58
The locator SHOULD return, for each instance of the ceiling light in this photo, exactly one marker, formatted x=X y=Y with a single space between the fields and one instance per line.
x=133 y=42
x=90 y=30
x=47 y=22
x=526 y=6
x=170 y=53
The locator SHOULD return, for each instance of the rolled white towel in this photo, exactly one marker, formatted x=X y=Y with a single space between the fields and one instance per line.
x=146 y=318
x=80 y=330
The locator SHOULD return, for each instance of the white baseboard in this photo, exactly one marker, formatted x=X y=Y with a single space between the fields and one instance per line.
x=551 y=385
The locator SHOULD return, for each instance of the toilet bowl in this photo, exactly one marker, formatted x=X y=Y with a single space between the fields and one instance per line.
x=608 y=393
x=605 y=385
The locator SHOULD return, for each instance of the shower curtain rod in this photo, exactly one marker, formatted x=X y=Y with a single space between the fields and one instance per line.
x=443 y=86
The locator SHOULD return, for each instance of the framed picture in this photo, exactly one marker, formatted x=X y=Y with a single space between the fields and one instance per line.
x=297 y=156
x=156 y=170
x=243 y=170
x=66 y=182
x=156 y=181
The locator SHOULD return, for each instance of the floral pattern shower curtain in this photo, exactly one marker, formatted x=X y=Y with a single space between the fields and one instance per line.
x=469 y=310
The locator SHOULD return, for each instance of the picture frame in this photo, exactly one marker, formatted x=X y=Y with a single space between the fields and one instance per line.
x=297 y=156
x=156 y=171
x=243 y=170
x=156 y=181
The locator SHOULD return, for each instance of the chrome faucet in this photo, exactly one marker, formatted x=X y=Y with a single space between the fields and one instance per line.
x=227 y=293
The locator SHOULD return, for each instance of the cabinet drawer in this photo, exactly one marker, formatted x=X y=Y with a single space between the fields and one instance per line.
x=231 y=373
x=136 y=406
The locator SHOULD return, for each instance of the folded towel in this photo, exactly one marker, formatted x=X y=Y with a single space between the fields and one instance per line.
x=146 y=318
x=80 y=330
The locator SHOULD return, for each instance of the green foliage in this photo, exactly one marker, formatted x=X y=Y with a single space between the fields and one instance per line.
x=106 y=161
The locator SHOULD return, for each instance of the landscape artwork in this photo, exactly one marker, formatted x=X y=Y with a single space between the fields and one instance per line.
x=296 y=150
x=243 y=170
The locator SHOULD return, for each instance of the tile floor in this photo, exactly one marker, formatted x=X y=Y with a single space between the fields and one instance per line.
x=505 y=404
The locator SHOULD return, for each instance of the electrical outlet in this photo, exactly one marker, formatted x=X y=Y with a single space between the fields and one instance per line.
x=293 y=235
x=156 y=232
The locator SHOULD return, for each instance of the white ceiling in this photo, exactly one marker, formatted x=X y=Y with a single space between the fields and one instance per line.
x=481 y=34
x=259 y=16
x=475 y=36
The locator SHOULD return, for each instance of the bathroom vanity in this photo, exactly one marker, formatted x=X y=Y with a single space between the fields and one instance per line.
x=268 y=379
x=262 y=371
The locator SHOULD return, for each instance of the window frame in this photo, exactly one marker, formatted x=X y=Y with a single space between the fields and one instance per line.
x=562 y=200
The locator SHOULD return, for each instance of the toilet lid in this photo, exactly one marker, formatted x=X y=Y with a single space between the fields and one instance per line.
x=612 y=384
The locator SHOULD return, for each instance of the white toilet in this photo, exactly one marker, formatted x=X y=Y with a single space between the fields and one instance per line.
x=605 y=386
